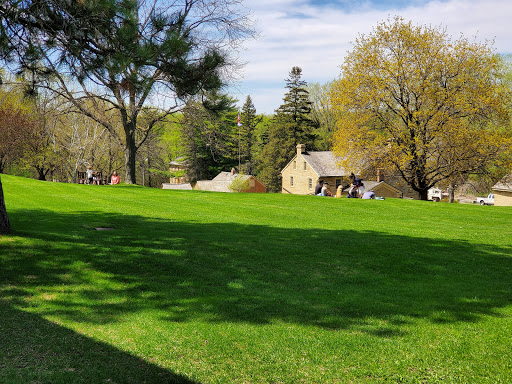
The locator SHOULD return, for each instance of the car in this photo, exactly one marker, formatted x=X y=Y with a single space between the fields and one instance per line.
x=435 y=194
x=489 y=200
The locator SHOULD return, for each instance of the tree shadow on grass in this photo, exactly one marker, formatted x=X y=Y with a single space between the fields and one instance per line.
x=228 y=272
x=37 y=351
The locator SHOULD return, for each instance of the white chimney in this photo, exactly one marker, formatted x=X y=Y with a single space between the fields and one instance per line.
x=301 y=148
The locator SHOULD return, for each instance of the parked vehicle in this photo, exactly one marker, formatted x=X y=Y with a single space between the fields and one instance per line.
x=435 y=194
x=489 y=200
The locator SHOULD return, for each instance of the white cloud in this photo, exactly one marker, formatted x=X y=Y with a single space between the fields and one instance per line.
x=317 y=38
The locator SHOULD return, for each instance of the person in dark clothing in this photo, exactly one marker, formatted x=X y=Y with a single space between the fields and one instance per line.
x=318 y=188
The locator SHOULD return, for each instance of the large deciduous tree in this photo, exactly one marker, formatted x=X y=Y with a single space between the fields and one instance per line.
x=128 y=54
x=412 y=98
x=323 y=114
x=18 y=127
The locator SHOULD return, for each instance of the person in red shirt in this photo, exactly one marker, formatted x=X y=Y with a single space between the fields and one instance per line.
x=115 y=178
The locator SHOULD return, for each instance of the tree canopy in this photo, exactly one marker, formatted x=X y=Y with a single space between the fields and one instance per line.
x=411 y=98
x=131 y=55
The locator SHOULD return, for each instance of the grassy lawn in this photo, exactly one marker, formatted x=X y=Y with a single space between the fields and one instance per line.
x=197 y=287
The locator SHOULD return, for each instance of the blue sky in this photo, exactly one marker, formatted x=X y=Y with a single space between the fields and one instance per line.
x=316 y=35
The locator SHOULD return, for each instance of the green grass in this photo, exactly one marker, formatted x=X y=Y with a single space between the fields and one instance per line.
x=197 y=287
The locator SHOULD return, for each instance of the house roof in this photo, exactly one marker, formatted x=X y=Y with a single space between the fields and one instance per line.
x=221 y=182
x=184 y=186
x=372 y=185
x=179 y=161
x=504 y=185
x=229 y=176
x=324 y=163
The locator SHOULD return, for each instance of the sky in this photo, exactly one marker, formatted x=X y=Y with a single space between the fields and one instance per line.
x=317 y=34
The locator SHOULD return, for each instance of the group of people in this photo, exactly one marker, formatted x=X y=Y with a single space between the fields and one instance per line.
x=356 y=189
x=92 y=179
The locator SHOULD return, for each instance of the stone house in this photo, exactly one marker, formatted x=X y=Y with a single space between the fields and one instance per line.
x=178 y=166
x=303 y=172
x=223 y=181
x=503 y=191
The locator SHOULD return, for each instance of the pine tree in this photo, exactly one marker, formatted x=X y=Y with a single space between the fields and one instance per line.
x=297 y=108
x=246 y=140
x=210 y=136
x=292 y=125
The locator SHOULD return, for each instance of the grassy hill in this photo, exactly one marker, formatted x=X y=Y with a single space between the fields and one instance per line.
x=198 y=287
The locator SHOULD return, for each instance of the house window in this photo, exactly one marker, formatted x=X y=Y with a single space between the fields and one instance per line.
x=338 y=183
x=310 y=183
x=294 y=165
x=291 y=181
x=305 y=165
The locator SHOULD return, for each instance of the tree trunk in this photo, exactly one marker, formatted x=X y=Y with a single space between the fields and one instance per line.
x=451 y=194
x=41 y=174
x=423 y=194
x=129 y=156
x=5 y=226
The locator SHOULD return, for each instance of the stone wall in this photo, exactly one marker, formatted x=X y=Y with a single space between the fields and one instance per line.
x=503 y=199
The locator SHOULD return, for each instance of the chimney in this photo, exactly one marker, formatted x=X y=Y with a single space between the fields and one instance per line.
x=301 y=148
x=380 y=175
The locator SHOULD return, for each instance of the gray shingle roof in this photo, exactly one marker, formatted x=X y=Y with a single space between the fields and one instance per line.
x=504 y=185
x=324 y=163
x=228 y=176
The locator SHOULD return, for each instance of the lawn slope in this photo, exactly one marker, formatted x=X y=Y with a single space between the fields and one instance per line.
x=197 y=287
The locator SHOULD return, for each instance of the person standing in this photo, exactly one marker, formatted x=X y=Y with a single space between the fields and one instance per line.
x=90 y=175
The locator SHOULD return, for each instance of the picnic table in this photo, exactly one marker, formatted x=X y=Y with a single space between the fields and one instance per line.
x=98 y=178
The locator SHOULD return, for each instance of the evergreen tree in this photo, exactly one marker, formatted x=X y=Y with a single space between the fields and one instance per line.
x=275 y=155
x=292 y=125
x=210 y=136
x=249 y=120
x=297 y=109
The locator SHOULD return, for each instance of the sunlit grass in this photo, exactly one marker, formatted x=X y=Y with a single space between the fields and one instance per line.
x=245 y=288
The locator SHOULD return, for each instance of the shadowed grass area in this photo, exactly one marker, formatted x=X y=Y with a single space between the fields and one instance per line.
x=257 y=274
x=37 y=351
x=256 y=288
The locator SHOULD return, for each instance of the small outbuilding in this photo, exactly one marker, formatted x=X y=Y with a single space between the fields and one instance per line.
x=382 y=189
x=503 y=191
x=231 y=182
